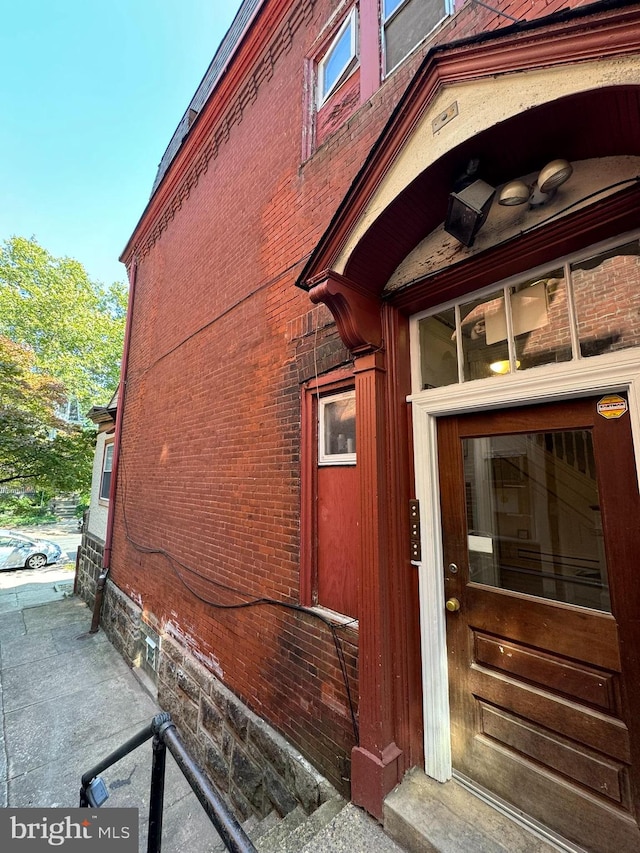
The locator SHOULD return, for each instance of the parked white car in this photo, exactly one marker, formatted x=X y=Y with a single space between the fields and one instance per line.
x=18 y=551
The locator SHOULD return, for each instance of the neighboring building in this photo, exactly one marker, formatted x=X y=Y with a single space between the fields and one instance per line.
x=376 y=483
x=94 y=527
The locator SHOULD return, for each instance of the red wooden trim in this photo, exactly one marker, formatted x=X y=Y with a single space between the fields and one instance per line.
x=335 y=381
x=329 y=382
x=404 y=593
x=307 y=503
x=356 y=312
x=376 y=761
x=589 y=37
x=117 y=439
x=370 y=71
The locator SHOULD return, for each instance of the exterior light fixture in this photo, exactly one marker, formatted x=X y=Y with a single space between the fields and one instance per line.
x=468 y=210
x=554 y=174
x=502 y=367
x=543 y=190
x=515 y=192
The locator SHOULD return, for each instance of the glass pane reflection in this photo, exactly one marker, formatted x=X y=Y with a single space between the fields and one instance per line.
x=484 y=347
x=533 y=516
x=540 y=319
x=438 y=351
x=606 y=290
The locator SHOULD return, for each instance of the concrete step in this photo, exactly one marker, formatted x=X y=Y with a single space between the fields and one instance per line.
x=306 y=832
x=273 y=838
x=352 y=830
x=425 y=816
x=260 y=828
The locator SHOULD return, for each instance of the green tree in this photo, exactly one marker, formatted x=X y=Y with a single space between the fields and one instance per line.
x=36 y=447
x=61 y=338
x=74 y=326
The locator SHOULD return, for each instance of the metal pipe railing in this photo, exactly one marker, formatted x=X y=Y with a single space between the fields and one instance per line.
x=133 y=743
x=163 y=731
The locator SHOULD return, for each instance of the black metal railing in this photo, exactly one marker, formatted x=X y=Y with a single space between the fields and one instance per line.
x=164 y=734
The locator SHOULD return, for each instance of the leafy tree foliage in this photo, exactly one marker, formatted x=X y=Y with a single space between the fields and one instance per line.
x=73 y=326
x=61 y=338
x=36 y=447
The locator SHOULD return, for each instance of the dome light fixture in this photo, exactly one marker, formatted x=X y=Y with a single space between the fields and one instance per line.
x=513 y=193
x=553 y=175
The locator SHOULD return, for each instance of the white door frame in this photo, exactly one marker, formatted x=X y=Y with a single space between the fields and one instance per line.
x=617 y=372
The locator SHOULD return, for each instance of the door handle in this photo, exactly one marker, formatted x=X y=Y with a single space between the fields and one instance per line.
x=452 y=605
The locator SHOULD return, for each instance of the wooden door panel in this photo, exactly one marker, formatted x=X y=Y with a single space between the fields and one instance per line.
x=552 y=626
x=586 y=767
x=588 y=685
x=594 y=822
x=570 y=719
x=543 y=653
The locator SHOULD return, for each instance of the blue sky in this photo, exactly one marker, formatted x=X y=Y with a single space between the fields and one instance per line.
x=90 y=94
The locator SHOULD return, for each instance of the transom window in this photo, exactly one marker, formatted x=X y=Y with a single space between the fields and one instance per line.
x=340 y=58
x=581 y=308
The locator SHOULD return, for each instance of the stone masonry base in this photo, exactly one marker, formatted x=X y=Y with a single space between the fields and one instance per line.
x=89 y=566
x=253 y=766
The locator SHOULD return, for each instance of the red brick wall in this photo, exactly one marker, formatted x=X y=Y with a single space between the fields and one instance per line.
x=208 y=502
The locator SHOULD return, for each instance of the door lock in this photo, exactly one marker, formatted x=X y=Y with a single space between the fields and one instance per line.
x=452 y=605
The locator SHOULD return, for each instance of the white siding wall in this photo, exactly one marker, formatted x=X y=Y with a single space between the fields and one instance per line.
x=97 y=510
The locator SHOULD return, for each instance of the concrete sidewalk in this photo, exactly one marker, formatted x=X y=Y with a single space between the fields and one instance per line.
x=67 y=700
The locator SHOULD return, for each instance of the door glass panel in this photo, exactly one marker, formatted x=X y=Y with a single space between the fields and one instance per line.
x=533 y=516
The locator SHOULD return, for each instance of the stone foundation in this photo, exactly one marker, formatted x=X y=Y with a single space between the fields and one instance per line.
x=90 y=556
x=255 y=768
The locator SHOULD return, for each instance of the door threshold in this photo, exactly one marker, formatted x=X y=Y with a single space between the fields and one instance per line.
x=425 y=816
x=528 y=823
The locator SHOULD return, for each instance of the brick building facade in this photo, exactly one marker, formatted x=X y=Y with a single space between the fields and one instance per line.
x=273 y=425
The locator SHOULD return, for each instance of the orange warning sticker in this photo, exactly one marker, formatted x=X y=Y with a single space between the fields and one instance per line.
x=612 y=406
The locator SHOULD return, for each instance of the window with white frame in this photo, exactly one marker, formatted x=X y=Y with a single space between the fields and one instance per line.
x=405 y=23
x=585 y=306
x=340 y=58
x=337 y=429
x=107 y=467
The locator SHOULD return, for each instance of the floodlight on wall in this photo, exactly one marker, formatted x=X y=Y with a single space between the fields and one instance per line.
x=468 y=210
x=554 y=174
x=515 y=192
x=543 y=190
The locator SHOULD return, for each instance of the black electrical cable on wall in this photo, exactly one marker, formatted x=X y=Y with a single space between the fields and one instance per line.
x=179 y=567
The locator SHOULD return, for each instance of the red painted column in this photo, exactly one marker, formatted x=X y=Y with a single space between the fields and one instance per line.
x=375 y=764
x=369 y=48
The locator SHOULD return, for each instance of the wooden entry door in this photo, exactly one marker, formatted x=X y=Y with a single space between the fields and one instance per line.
x=541 y=530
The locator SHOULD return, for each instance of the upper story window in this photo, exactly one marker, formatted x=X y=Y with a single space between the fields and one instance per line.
x=587 y=306
x=339 y=59
x=405 y=23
